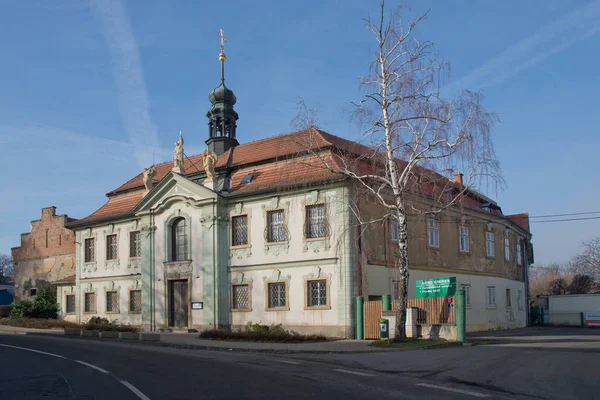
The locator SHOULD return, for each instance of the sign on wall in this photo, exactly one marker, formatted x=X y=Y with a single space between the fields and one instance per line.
x=592 y=319
x=436 y=287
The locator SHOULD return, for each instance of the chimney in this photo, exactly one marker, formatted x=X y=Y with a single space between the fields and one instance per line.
x=458 y=178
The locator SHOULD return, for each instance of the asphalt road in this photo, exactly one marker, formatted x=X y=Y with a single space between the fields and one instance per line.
x=35 y=367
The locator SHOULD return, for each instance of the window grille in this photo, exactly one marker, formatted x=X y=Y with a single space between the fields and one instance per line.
x=135 y=301
x=90 y=254
x=111 y=247
x=70 y=303
x=135 y=244
x=239 y=230
x=90 y=302
x=315 y=221
x=112 y=302
x=241 y=297
x=317 y=293
x=276 y=226
x=277 y=296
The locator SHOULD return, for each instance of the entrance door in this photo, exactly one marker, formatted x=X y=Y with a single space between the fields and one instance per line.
x=178 y=304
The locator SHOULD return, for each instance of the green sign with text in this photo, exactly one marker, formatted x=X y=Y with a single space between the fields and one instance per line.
x=436 y=287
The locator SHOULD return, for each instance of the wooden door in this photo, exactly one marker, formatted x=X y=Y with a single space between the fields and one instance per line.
x=178 y=304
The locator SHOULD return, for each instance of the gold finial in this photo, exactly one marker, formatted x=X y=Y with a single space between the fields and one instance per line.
x=222 y=56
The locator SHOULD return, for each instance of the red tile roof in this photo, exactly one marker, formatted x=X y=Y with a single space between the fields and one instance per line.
x=115 y=205
x=520 y=219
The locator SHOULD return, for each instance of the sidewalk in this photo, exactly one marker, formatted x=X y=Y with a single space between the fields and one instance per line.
x=333 y=346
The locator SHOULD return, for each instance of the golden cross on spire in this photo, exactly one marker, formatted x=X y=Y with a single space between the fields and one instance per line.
x=223 y=40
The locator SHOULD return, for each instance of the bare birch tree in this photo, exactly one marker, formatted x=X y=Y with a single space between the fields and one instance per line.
x=414 y=137
x=588 y=261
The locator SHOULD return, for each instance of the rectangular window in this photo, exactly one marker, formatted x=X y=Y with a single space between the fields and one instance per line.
x=135 y=301
x=90 y=254
x=315 y=221
x=70 y=300
x=489 y=244
x=507 y=248
x=520 y=299
x=135 y=244
x=508 y=302
x=33 y=292
x=111 y=247
x=90 y=302
x=317 y=293
x=394 y=227
x=275 y=226
x=277 y=295
x=240 y=297
x=239 y=230
x=491 y=296
x=433 y=232
x=463 y=238
x=467 y=289
x=519 y=253
x=112 y=302
x=395 y=290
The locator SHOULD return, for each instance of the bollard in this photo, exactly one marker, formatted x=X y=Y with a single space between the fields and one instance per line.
x=387 y=303
x=360 y=320
x=461 y=316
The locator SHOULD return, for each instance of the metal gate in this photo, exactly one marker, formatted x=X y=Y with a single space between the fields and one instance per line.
x=178 y=303
x=372 y=313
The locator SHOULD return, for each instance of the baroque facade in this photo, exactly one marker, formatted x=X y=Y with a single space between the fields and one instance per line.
x=261 y=232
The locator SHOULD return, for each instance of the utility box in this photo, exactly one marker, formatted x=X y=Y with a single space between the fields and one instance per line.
x=384 y=328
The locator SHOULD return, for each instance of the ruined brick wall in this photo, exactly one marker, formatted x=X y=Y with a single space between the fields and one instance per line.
x=46 y=254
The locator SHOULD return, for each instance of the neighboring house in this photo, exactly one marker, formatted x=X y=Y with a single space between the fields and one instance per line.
x=46 y=254
x=261 y=232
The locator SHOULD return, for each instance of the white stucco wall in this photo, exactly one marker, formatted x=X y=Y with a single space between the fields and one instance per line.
x=377 y=281
x=574 y=303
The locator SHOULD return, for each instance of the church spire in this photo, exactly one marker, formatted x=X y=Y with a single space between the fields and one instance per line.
x=221 y=116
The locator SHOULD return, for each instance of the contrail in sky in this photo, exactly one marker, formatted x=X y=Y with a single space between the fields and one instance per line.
x=129 y=78
x=550 y=39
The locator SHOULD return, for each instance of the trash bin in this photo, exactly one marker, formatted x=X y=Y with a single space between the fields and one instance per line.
x=384 y=328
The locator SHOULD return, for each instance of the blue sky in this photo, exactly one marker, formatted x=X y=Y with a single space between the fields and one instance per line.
x=91 y=91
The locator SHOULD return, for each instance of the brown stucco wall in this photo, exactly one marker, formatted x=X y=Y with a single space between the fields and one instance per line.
x=46 y=254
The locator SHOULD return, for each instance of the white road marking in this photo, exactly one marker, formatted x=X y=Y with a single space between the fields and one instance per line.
x=353 y=372
x=92 y=366
x=287 y=362
x=33 y=351
x=135 y=390
x=449 y=389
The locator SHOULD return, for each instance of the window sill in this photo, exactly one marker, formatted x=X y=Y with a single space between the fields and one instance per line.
x=179 y=262
x=242 y=246
x=112 y=260
x=135 y=258
x=70 y=313
x=433 y=247
x=317 y=239
x=111 y=312
x=90 y=312
x=464 y=253
x=267 y=244
x=307 y=308
x=241 y=310
x=490 y=257
x=278 y=309
x=89 y=262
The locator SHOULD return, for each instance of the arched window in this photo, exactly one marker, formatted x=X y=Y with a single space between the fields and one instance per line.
x=179 y=240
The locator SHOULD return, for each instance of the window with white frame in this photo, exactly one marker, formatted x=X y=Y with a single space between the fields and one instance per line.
x=316 y=295
x=520 y=299
x=90 y=254
x=433 y=233
x=315 y=221
x=394 y=227
x=463 y=233
x=276 y=226
x=135 y=244
x=135 y=301
x=70 y=300
x=277 y=295
x=489 y=244
x=507 y=248
x=111 y=247
x=112 y=302
x=89 y=302
x=491 y=296
x=467 y=289
x=239 y=230
x=519 y=253
x=240 y=297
